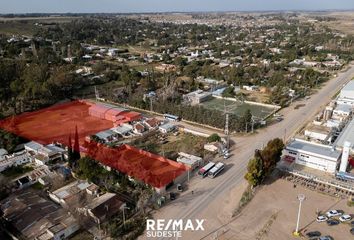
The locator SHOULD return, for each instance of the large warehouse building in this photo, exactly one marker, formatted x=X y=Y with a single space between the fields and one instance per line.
x=346 y=95
x=313 y=155
x=113 y=113
x=347 y=135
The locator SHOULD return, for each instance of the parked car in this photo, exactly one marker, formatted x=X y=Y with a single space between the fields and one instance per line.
x=179 y=187
x=352 y=223
x=326 y=238
x=345 y=218
x=334 y=213
x=226 y=155
x=321 y=218
x=313 y=234
x=172 y=196
x=352 y=231
x=332 y=222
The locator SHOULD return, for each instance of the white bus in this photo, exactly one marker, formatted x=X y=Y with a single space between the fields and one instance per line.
x=203 y=172
x=216 y=170
x=172 y=117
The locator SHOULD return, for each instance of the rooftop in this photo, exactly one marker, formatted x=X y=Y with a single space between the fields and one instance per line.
x=314 y=149
x=167 y=126
x=71 y=189
x=343 y=108
x=147 y=167
x=346 y=135
x=32 y=215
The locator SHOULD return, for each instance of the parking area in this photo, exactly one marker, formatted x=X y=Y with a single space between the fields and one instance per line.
x=272 y=214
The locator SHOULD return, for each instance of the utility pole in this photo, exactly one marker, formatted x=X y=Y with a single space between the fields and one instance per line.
x=97 y=94
x=252 y=123
x=227 y=133
x=150 y=103
x=123 y=208
x=301 y=198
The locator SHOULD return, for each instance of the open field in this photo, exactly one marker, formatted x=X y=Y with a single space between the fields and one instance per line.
x=56 y=123
x=238 y=108
x=344 y=21
x=25 y=26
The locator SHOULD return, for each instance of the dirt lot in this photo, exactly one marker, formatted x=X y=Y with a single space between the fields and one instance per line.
x=272 y=214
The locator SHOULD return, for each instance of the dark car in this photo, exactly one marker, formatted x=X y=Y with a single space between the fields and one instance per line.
x=313 y=234
x=352 y=231
x=172 y=196
x=352 y=223
x=179 y=188
x=340 y=211
x=332 y=222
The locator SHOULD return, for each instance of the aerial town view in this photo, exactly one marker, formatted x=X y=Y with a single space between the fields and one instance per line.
x=189 y=120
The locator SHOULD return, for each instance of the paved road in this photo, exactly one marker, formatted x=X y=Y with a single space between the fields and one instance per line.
x=209 y=191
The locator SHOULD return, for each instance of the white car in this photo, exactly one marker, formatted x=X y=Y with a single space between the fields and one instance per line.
x=333 y=213
x=345 y=218
x=321 y=218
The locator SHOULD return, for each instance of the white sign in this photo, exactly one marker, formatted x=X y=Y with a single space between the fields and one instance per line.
x=162 y=228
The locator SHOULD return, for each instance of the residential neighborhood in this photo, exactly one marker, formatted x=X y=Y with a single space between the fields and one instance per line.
x=187 y=122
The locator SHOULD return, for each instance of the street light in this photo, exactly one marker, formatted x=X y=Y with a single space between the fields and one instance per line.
x=123 y=208
x=301 y=198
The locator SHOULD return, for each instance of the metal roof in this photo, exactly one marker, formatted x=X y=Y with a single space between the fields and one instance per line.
x=122 y=129
x=319 y=150
x=105 y=134
x=346 y=135
x=343 y=108
x=33 y=145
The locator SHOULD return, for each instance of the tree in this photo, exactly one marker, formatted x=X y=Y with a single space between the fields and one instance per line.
x=76 y=149
x=70 y=152
x=264 y=162
x=229 y=92
x=255 y=171
x=271 y=154
x=214 y=138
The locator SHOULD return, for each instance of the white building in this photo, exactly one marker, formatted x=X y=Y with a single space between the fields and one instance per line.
x=15 y=159
x=346 y=95
x=317 y=156
x=189 y=160
x=319 y=133
x=167 y=127
x=43 y=154
x=347 y=135
x=342 y=111
x=197 y=97
x=250 y=88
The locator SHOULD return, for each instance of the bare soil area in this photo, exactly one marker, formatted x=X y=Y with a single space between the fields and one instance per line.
x=272 y=214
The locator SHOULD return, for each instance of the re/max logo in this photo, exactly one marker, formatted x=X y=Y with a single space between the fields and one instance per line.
x=174 y=225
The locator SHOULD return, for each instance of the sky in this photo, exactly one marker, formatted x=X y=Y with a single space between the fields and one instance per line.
x=124 y=6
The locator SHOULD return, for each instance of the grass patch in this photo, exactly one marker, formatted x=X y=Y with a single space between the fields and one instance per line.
x=15 y=171
x=37 y=186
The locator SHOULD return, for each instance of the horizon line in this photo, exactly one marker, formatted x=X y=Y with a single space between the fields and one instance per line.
x=196 y=11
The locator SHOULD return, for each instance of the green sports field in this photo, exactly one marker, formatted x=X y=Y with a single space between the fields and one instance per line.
x=238 y=108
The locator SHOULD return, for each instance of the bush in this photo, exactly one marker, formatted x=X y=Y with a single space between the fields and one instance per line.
x=214 y=138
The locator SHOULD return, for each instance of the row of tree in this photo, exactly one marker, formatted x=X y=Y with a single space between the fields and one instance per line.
x=198 y=114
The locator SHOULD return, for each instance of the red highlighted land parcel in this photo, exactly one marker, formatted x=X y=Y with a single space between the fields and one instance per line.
x=57 y=123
